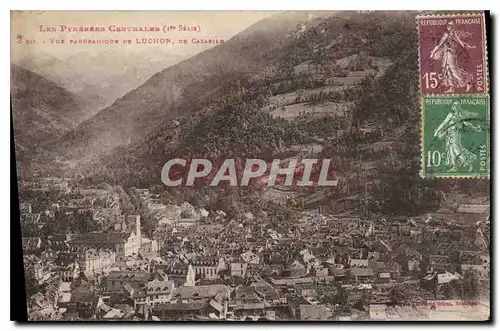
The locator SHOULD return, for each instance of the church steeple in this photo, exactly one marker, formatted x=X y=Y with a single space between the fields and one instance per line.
x=76 y=270
x=138 y=229
x=190 y=277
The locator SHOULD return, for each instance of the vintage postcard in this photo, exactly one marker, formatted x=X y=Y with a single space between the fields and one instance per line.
x=251 y=166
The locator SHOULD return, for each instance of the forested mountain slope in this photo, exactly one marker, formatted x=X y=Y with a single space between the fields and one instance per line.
x=42 y=111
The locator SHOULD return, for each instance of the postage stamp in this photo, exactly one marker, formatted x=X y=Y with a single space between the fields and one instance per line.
x=452 y=54
x=455 y=136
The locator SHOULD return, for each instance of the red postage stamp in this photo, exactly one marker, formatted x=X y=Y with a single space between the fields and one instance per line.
x=452 y=54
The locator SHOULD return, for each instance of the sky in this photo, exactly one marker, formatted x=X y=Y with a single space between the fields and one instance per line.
x=35 y=43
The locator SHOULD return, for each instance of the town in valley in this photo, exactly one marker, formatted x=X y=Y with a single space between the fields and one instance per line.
x=86 y=258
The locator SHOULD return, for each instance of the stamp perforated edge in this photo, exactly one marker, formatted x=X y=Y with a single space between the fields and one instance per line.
x=422 y=173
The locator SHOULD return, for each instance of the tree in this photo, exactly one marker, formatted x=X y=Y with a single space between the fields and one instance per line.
x=348 y=276
x=149 y=222
x=325 y=292
x=397 y=295
x=82 y=222
x=342 y=299
x=471 y=284
x=342 y=296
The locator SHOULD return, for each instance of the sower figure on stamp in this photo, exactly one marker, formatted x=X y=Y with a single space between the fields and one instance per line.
x=447 y=50
x=451 y=132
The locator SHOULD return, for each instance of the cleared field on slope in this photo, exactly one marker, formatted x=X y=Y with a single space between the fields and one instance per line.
x=327 y=108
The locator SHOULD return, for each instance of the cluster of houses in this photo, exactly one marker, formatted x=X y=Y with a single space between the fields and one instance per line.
x=201 y=265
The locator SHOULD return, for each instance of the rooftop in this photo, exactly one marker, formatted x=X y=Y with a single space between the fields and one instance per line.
x=204 y=291
x=193 y=306
x=131 y=276
x=99 y=238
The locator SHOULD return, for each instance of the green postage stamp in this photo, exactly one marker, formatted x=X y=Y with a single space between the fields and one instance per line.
x=455 y=136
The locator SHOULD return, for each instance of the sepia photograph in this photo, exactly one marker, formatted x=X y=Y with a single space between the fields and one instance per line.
x=251 y=166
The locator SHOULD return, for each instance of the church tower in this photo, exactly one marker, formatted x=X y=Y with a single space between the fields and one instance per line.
x=190 y=277
x=138 y=230
x=76 y=270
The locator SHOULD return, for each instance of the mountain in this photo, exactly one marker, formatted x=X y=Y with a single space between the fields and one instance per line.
x=184 y=88
x=42 y=110
x=102 y=78
x=318 y=65
x=345 y=82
